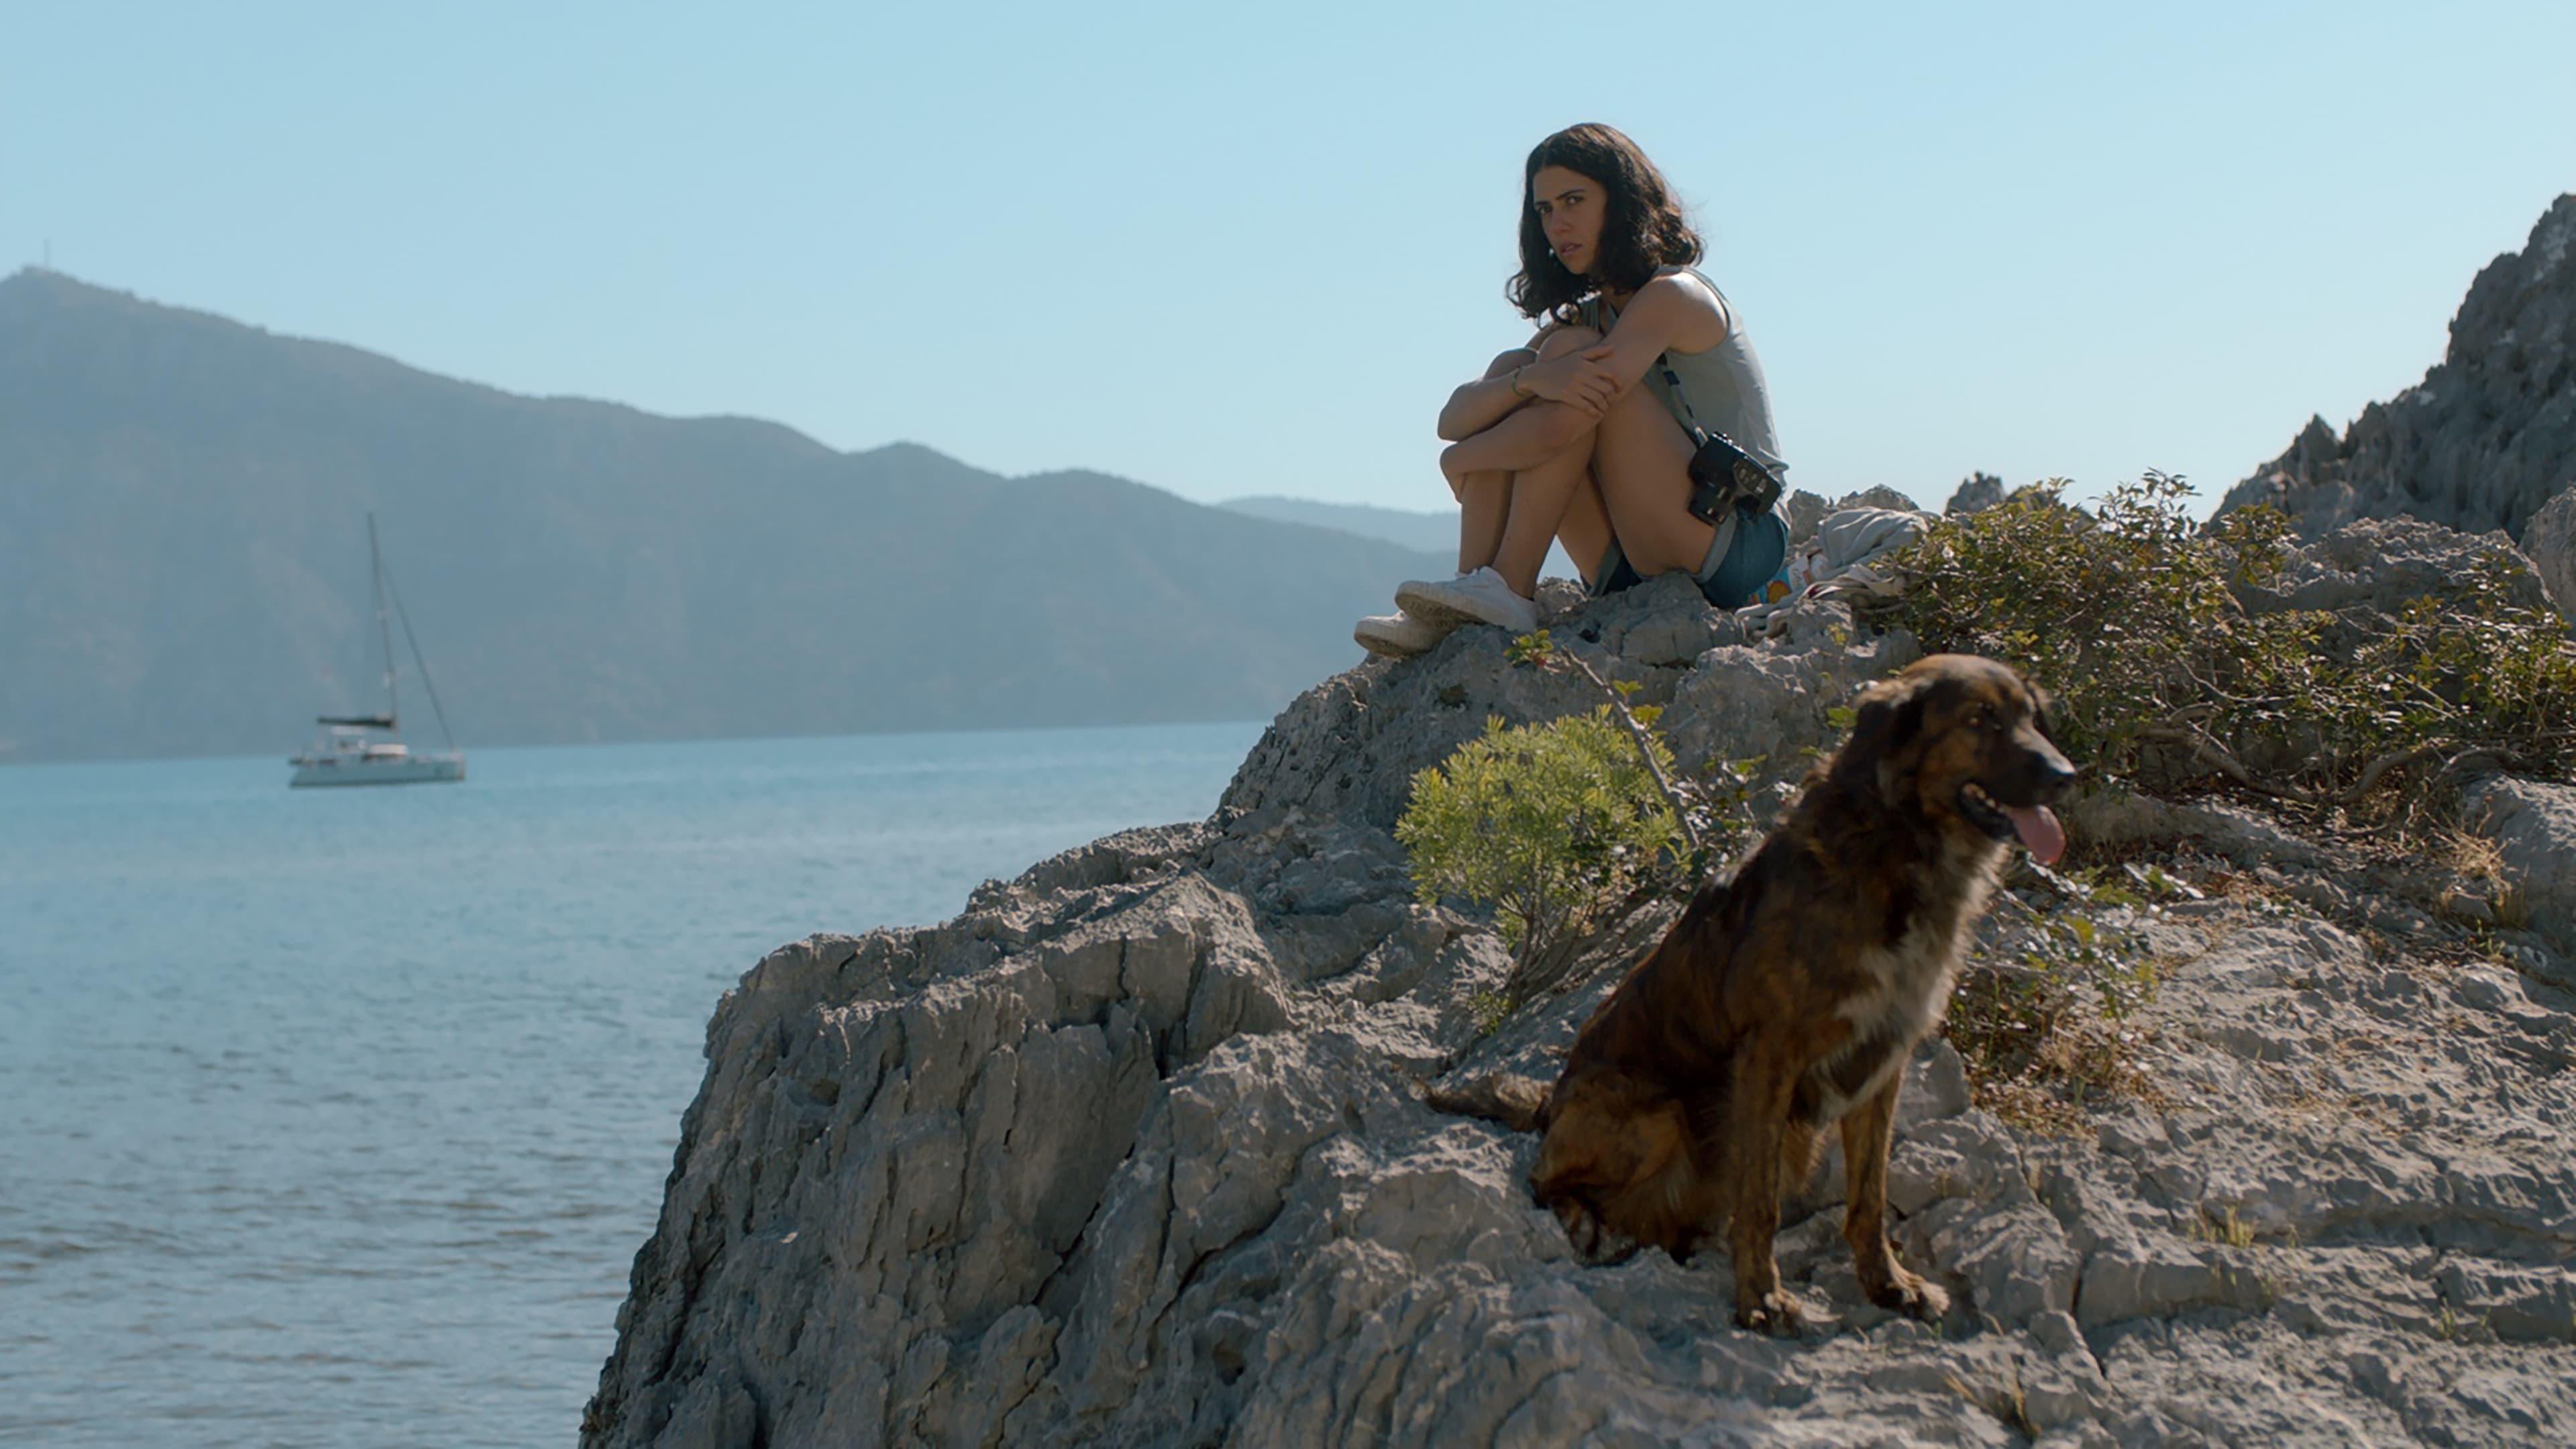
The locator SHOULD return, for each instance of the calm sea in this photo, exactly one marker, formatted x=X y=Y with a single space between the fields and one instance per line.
x=334 y=1117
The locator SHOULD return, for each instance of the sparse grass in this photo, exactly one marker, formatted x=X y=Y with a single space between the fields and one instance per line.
x=2303 y=1098
x=2221 y=1225
x=1491 y=1009
x=2478 y=860
x=2272 y=899
x=2049 y=1036
x=2079 y=1069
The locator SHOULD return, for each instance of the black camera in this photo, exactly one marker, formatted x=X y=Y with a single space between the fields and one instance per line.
x=1723 y=475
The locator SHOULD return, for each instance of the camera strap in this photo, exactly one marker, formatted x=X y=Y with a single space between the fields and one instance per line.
x=1743 y=477
x=1673 y=380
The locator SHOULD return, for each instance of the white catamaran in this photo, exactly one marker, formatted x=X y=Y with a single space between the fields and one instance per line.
x=348 y=751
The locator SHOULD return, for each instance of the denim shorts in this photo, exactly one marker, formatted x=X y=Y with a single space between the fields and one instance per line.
x=1730 y=581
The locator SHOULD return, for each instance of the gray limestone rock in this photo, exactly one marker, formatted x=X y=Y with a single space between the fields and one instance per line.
x=2549 y=541
x=1130 y=1151
x=1805 y=512
x=1877 y=495
x=1354 y=743
x=2380 y=565
x=1976 y=493
x=2485 y=439
x=2533 y=824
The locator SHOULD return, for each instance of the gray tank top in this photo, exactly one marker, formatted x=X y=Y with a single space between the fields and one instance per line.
x=1724 y=383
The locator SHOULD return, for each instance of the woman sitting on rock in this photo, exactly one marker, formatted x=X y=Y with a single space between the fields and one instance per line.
x=1557 y=441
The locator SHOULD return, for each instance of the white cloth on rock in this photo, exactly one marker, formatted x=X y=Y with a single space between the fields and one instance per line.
x=1847 y=556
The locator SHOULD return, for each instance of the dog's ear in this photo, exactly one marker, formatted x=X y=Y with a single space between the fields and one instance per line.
x=1890 y=717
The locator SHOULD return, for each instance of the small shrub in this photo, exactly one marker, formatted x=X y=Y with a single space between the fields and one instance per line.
x=2110 y=609
x=1491 y=1009
x=1714 y=811
x=1572 y=830
x=1554 y=825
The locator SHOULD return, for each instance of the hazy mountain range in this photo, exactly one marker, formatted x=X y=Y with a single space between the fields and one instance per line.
x=1425 y=532
x=1432 y=533
x=183 y=561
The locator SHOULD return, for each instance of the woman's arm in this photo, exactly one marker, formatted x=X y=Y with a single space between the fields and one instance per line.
x=1672 y=313
x=1478 y=405
x=1518 y=378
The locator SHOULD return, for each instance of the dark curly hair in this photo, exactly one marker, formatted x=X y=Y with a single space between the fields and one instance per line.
x=1641 y=225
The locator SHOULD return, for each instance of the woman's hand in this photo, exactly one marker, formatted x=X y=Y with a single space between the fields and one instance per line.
x=1580 y=380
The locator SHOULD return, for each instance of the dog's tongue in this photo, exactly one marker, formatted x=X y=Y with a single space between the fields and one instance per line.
x=2039 y=831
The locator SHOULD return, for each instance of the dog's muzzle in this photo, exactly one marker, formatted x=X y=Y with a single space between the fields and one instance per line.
x=2034 y=824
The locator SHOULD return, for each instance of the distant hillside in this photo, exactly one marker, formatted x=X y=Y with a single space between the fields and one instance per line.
x=1433 y=533
x=1426 y=532
x=2487 y=437
x=183 y=560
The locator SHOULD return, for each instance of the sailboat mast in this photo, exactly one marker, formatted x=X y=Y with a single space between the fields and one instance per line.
x=384 y=632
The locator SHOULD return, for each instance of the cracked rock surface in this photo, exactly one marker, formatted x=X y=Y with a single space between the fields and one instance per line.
x=2549 y=541
x=1129 y=1151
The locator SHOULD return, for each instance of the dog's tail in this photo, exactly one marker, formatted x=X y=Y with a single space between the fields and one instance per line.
x=1519 y=1103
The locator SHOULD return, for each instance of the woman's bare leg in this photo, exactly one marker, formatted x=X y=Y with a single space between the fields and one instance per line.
x=1484 y=501
x=1510 y=526
x=1585 y=529
x=1541 y=498
x=1641 y=458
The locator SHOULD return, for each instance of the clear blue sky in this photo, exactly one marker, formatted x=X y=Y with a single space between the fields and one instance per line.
x=1230 y=250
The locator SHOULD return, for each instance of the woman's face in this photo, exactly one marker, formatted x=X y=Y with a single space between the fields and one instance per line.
x=1570 y=206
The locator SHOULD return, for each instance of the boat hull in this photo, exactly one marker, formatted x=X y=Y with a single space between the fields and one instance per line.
x=416 y=770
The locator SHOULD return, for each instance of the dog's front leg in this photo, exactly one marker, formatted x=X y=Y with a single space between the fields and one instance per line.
x=1757 y=1116
x=1868 y=1129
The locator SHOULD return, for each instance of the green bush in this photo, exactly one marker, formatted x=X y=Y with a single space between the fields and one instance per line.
x=1557 y=826
x=2177 y=667
x=2165 y=679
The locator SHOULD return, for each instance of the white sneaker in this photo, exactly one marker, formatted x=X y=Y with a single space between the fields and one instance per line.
x=1478 y=598
x=1398 y=635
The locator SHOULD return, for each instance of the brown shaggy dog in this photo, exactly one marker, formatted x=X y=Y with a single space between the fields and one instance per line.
x=1788 y=998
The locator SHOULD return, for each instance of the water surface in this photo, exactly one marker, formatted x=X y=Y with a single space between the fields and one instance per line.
x=336 y=1117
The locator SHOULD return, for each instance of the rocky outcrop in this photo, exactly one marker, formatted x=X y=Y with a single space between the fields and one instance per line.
x=1129 y=1152
x=2549 y=541
x=2374 y=567
x=2485 y=439
x=2532 y=823
x=1976 y=493
x=1351 y=746
x=1806 y=511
